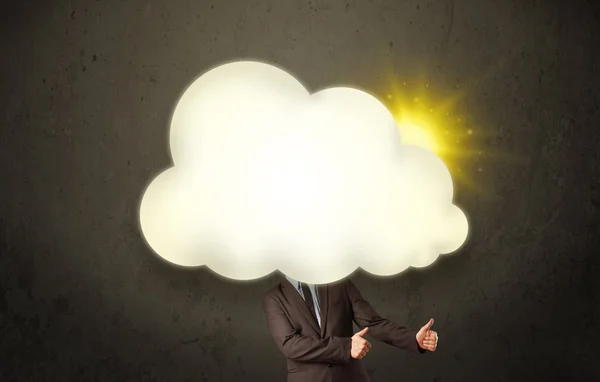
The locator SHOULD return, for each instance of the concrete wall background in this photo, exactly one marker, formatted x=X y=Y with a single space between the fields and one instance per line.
x=88 y=89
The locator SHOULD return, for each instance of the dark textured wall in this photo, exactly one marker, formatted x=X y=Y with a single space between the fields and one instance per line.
x=88 y=88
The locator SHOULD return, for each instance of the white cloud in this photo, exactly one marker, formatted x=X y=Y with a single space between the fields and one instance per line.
x=267 y=176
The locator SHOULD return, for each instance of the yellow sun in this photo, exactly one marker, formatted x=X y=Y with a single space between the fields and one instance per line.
x=434 y=125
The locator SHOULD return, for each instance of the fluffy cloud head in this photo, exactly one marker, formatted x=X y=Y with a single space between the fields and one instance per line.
x=267 y=176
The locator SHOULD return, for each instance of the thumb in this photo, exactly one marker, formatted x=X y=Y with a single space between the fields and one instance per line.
x=428 y=324
x=363 y=332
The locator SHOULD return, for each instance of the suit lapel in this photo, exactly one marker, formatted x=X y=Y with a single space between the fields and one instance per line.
x=292 y=295
x=323 y=291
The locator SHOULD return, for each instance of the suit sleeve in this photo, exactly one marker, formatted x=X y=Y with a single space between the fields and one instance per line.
x=299 y=347
x=380 y=328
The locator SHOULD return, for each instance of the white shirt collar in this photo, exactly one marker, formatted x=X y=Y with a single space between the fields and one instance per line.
x=292 y=281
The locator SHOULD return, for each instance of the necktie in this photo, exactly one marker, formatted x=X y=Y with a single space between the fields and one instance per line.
x=308 y=298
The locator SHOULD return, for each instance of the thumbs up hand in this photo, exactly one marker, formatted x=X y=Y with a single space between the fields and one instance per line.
x=427 y=338
x=360 y=346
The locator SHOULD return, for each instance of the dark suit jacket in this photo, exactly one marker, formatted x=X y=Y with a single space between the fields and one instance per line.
x=323 y=354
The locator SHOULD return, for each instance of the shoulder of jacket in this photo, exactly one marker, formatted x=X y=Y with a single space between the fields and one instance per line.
x=273 y=292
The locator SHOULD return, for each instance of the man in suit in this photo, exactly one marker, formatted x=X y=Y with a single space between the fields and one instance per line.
x=312 y=327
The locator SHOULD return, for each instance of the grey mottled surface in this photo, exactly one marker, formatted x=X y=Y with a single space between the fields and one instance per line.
x=88 y=89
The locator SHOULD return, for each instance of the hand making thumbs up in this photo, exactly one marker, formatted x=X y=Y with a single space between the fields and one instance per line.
x=360 y=346
x=427 y=338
